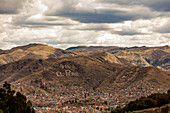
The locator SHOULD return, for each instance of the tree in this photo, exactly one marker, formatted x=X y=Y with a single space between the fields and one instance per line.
x=11 y=102
x=169 y=91
x=105 y=102
x=154 y=100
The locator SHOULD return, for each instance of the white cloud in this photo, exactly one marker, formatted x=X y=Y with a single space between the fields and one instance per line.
x=164 y=27
x=65 y=23
x=11 y=6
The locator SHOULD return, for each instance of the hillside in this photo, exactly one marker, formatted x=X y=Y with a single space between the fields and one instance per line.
x=136 y=56
x=36 y=51
x=154 y=103
x=41 y=79
x=163 y=109
x=110 y=58
x=85 y=71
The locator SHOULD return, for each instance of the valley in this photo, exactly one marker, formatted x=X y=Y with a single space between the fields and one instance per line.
x=83 y=79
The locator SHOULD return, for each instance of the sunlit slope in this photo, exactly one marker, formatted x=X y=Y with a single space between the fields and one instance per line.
x=35 y=51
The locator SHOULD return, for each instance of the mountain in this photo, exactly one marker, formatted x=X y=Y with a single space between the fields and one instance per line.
x=110 y=58
x=36 y=51
x=133 y=56
x=46 y=75
x=136 y=56
x=92 y=49
x=156 y=56
x=76 y=75
x=1 y=51
x=85 y=71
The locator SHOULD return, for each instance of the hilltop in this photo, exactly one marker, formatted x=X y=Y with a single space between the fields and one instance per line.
x=35 y=51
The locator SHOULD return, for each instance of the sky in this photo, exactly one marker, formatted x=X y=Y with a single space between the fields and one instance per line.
x=67 y=23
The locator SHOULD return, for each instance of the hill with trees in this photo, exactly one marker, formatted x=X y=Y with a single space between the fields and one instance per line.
x=154 y=100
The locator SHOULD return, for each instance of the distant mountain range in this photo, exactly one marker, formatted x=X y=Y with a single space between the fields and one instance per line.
x=134 y=56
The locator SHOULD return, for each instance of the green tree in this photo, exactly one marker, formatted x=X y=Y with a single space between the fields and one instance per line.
x=169 y=91
x=11 y=102
x=154 y=100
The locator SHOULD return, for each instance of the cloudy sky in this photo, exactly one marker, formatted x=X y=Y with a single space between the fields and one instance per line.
x=65 y=23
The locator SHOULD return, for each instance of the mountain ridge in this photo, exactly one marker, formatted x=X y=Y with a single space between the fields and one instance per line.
x=132 y=56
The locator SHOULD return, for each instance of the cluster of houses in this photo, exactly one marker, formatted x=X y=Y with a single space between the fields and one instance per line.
x=53 y=97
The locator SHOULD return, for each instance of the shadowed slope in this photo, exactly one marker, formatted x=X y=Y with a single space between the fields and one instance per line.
x=84 y=71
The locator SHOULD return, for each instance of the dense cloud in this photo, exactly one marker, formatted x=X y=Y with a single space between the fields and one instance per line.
x=165 y=28
x=96 y=12
x=11 y=6
x=158 y=5
x=64 y=23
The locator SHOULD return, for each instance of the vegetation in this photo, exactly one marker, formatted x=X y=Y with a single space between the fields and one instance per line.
x=11 y=102
x=154 y=100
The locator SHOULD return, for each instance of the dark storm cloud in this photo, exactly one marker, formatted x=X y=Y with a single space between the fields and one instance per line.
x=11 y=6
x=108 y=13
x=96 y=17
x=105 y=16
